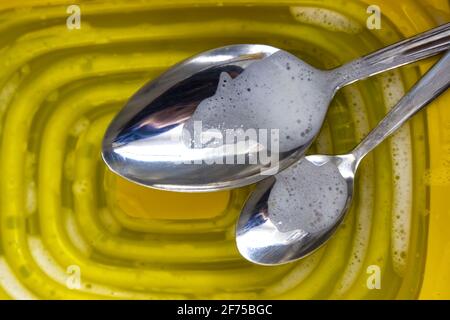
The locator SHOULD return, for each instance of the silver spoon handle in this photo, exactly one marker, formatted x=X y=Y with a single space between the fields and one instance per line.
x=407 y=51
x=433 y=83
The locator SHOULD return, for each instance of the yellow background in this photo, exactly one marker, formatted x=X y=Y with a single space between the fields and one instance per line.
x=436 y=283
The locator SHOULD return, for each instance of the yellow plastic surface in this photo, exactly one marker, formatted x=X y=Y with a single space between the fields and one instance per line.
x=70 y=229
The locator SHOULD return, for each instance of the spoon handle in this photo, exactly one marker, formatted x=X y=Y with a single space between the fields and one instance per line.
x=407 y=51
x=433 y=83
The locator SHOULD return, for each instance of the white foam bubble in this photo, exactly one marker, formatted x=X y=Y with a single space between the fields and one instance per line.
x=366 y=193
x=74 y=233
x=279 y=92
x=80 y=126
x=80 y=187
x=297 y=275
x=31 y=199
x=401 y=151
x=11 y=284
x=54 y=271
x=109 y=221
x=325 y=18
x=308 y=197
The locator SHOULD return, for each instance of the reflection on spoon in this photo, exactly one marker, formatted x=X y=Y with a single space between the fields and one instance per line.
x=295 y=212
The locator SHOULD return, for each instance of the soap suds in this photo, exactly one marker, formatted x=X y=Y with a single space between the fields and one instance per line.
x=327 y=19
x=54 y=271
x=279 y=92
x=31 y=198
x=401 y=151
x=71 y=228
x=79 y=127
x=11 y=284
x=307 y=196
x=296 y=276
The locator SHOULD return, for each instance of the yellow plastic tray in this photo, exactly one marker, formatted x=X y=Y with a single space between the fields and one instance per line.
x=71 y=229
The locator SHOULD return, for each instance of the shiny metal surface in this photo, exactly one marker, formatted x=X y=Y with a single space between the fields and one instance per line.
x=258 y=237
x=145 y=142
x=139 y=143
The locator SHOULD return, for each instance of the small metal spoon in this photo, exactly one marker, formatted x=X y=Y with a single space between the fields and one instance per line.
x=146 y=142
x=294 y=212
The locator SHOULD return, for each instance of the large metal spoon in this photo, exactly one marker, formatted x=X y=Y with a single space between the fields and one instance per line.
x=294 y=212
x=156 y=140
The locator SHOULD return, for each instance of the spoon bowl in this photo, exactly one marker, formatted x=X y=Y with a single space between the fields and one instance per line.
x=269 y=234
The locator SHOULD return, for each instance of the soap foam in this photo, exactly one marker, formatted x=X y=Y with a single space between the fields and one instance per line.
x=327 y=19
x=279 y=92
x=308 y=197
x=401 y=151
x=11 y=284
x=54 y=271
